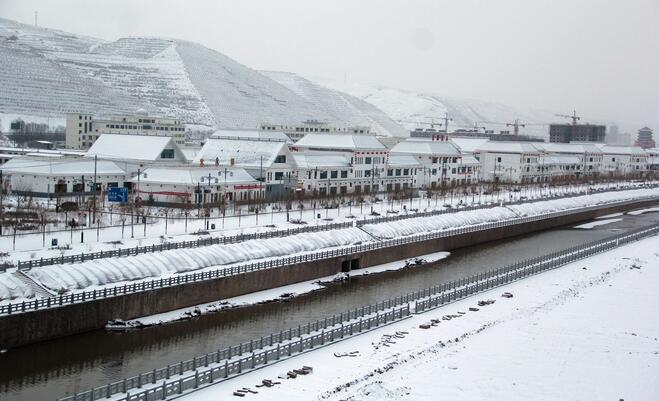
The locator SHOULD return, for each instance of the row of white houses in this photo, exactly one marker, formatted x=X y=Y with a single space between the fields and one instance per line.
x=240 y=165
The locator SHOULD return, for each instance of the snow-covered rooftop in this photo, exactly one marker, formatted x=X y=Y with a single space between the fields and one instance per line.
x=245 y=152
x=63 y=167
x=309 y=161
x=133 y=147
x=403 y=161
x=573 y=148
x=508 y=147
x=623 y=150
x=247 y=133
x=468 y=145
x=428 y=148
x=195 y=175
x=340 y=142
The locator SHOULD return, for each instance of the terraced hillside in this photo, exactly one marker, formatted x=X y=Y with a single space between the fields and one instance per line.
x=46 y=72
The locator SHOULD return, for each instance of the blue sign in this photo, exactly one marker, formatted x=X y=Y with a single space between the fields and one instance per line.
x=116 y=194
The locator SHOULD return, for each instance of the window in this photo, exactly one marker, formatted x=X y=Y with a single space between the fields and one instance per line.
x=280 y=159
x=323 y=175
x=334 y=174
x=390 y=172
x=398 y=172
x=498 y=160
x=368 y=160
x=344 y=174
x=367 y=173
x=167 y=154
x=279 y=176
x=434 y=160
x=406 y=171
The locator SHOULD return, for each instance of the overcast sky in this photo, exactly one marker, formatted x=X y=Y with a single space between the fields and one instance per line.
x=598 y=56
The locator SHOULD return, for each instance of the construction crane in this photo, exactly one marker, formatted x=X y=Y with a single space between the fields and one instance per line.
x=479 y=127
x=431 y=124
x=574 y=117
x=516 y=124
x=447 y=118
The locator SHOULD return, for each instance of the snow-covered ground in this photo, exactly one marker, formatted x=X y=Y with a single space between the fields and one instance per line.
x=584 y=331
x=91 y=274
x=274 y=294
x=30 y=246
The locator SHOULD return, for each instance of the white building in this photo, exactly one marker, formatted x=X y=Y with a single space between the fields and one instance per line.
x=323 y=174
x=653 y=159
x=441 y=163
x=254 y=134
x=624 y=161
x=590 y=157
x=267 y=160
x=367 y=157
x=297 y=131
x=196 y=185
x=560 y=167
x=510 y=162
x=82 y=130
x=138 y=150
x=55 y=177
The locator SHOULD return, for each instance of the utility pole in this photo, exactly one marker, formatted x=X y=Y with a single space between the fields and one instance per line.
x=36 y=13
x=2 y=198
x=207 y=209
x=94 y=190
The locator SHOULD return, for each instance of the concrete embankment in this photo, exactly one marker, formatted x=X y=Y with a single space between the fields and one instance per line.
x=40 y=325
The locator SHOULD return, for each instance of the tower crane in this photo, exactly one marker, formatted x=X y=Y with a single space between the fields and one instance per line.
x=516 y=124
x=479 y=127
x=574 y=117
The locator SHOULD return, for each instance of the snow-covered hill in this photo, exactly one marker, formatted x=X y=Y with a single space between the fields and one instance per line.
x=46 y=73
x=417 y=110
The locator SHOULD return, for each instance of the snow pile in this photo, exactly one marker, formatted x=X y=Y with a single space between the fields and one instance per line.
x=62 y=278
x=66 y=277
x=597 y=223
x=648 y=210
x=441 y=222
x=421 y=225
x=11 y=287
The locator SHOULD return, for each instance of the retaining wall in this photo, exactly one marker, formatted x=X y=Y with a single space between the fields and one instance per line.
x=30 y=327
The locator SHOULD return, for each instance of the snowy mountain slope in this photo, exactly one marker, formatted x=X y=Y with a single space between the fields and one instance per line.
x=339 y=105
x=415 y=110
x=46 y=73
